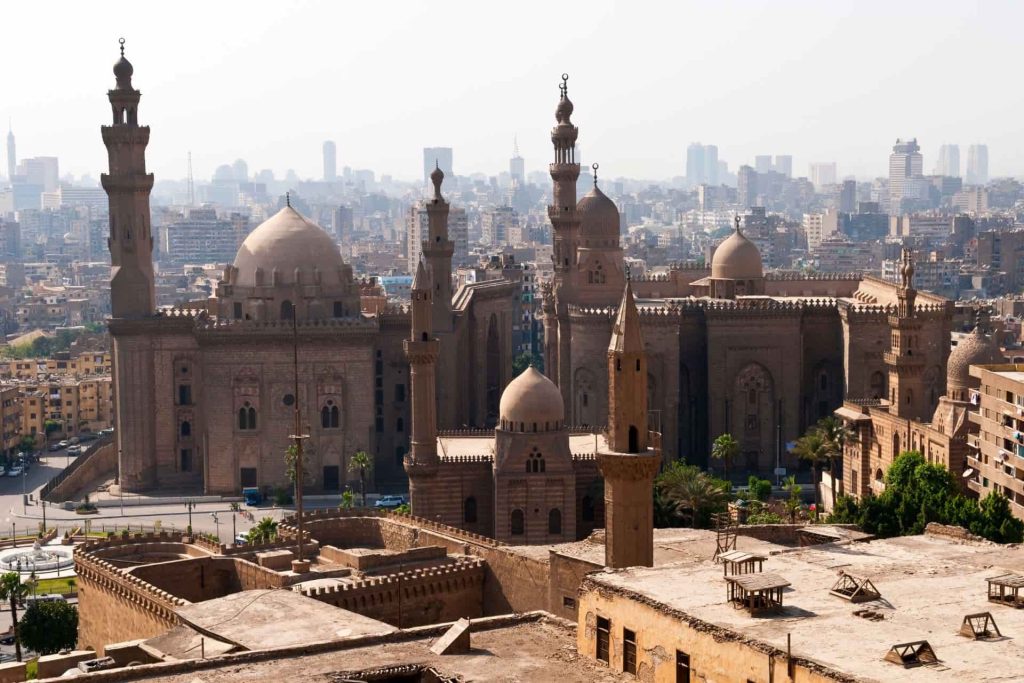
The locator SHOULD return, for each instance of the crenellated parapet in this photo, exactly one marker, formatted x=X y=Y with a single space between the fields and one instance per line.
x=466 y=432
x=793 y=276
x=435 y=579
x=485 y=458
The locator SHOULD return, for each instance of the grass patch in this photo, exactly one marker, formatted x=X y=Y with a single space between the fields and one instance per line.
x=32 y=669
x=55 y=585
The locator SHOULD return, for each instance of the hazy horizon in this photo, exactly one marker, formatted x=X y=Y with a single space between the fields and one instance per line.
x=269 y=82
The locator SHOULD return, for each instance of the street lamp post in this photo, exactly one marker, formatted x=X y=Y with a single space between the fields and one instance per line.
x=189 y=505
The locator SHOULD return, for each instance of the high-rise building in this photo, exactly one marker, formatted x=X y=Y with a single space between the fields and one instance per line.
x=905 y=165
x=711 y=164
x=977 y=165
x=43 y=172
x=822 y=174
x=948 y=163
x=498 y=226
x=12 y=157
x=848 y=196
x=784 y=165
x=458 y=233
x=695 y=164
x=763 y=163
x=330 y=161
x=516 y=165
x=436 y=157
x=746 y=180
x=240 y=169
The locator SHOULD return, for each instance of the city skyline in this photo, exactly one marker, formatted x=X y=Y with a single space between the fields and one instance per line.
x=229 y=97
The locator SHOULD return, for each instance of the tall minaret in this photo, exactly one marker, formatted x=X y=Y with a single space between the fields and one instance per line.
x=565 y=171
x=905 y=359
x=437 y=252
x=128 y=185
x=12 y=156
x=629 y=463
x=421 y=349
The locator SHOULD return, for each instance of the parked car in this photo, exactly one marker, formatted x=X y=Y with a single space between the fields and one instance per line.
x=7 y=639
x=88 y=436
x=55 y=447
x=241 y=539
x=73 y=440
x=74 y=450
x=63 y=444
x=15 y=471
x=389 y=502
x=108 y=430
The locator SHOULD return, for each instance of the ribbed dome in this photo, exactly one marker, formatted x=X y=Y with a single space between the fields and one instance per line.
x=975 y=349
x=737 y=258
x=288 y=242
x=531 y=398
x=599 y=217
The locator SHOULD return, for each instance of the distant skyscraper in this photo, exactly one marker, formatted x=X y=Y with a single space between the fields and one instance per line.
x=746 y=181
x=695 y=163
x=823 y=173
x=439 y=156
x=330 y=161
x=711 y=164
x=783 y=165
x=848 y=196
x=905 y=165
x=516 y=165
x=948 y=163
x=12 y=157
x=763 y=163
x=977 y=165
x=240 y=169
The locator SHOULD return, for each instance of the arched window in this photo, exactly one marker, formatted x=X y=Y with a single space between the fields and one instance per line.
x=587 y=509
x=469 y=510
x=400 y=425
x=425 y=337
x=325 y=417
x=287 y=310
x=335 y=417
x=516 y=523
x=186 y=428
x=247 y=417
x=555 y=521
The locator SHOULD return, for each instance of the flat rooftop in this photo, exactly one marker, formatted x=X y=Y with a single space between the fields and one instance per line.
x=927 y=585
x=533 y=651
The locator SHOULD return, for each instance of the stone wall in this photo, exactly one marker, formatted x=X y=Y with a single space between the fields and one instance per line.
x=98 y=462
x=368 y=561
x=781 y=534
x=206 y=578
x=413 y=598
x=566 y=576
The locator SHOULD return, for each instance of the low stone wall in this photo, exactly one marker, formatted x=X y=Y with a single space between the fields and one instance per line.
x=368 y=561
x=957 y=533
x=205 y=578
x=781 y=534
x=99 y=461
x=413 y=598
x=51 y=666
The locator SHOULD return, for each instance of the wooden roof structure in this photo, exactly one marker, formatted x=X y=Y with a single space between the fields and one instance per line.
x=740 y=562
x=1006 y=589
x=855 y=589
x=980 y=626
x=758 y=592
x=912 y=654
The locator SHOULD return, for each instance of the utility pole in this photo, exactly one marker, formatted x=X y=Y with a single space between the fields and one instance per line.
x=298 y=437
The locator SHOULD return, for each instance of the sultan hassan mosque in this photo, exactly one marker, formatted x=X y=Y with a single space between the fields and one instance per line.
x=639 y=366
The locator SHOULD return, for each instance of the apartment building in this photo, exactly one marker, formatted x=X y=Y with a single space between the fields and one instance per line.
x=996 y=457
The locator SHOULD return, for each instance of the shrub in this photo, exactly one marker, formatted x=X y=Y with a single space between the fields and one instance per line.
x=764 y=518
x=282 y=496
x=759 y=489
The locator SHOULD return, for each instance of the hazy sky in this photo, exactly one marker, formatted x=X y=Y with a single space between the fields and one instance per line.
x=270 y=81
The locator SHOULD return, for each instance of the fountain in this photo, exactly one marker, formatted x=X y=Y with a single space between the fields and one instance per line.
x=36 y=560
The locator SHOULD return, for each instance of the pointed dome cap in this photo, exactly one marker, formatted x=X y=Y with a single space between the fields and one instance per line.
x=123 y=71
x=420 y=282
x=599 y=217
x=287 y=242
x=531 y=397
x=437 y=177
x=737 y=258
x=563 y=111
x=626 y=337
x=975 y=349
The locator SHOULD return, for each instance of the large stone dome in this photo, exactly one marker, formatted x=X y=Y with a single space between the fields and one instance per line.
x=293 y=246
x=737 y=258
x=531 y=398
x=599 y=217
x=974 y=349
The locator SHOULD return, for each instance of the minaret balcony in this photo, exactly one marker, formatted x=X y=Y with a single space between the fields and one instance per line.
x=900 y=361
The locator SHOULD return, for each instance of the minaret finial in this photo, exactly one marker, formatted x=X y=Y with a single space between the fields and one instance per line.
x=288 y=199
x=121 y=42
x=736 y=220
x=564 y=87
x=594 y=166
x=628 y=276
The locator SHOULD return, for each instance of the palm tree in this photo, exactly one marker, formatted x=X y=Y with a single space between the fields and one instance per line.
x=361 y=462
x=836 y=434
x=813 y=447
x=725 y=448
x=265 y=531
x=690 y=491
x=14 y=591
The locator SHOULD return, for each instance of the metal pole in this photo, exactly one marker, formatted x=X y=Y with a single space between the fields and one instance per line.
x=298 y=436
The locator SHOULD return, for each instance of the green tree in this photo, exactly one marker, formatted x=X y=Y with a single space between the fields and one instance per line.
x=13 y=591
x=694 y=495
x=759 y=489
x=794 y=501
x=996 y=522
x=27 y=443
x=347 y=499
x=836 y=434
x=51 y=426
x=525 y=360
x=361 y=462
x=265 y=531
x=813 y=448
x=725 y=448
x=49 y=627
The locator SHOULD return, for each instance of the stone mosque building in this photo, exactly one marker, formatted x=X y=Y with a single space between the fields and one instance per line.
x=205 y=395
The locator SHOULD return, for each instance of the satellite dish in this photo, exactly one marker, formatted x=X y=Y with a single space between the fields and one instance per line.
x=968 y=473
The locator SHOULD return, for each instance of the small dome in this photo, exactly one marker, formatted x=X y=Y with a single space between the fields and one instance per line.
x=737 y=258
x=123 y=71
x=531 y=398
x=974 y=349
x=288 y=242
x=564 y=109
x=599 y=217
